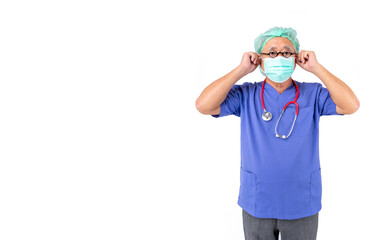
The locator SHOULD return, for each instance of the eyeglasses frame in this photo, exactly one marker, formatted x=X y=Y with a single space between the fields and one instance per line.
x=277 y=54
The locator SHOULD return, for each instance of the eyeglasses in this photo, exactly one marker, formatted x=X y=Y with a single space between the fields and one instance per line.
x=274 y=54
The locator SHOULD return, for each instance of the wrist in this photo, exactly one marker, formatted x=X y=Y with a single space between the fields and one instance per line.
x=318 y=70
x=241 y=71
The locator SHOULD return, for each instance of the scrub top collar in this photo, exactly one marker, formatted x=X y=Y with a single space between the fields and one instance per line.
x=269 y=88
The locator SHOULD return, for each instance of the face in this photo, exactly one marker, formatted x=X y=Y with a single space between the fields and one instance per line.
x=278 y=44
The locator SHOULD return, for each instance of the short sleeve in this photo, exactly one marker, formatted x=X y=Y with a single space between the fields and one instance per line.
x=232 y=103
x=324 y=101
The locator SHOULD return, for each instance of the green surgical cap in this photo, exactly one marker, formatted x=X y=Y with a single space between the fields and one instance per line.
x=263 y=38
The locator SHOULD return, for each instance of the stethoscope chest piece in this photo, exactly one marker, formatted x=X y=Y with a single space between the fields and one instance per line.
x=267 y=116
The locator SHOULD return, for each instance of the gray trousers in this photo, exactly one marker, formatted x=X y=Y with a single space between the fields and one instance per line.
x=269 y=228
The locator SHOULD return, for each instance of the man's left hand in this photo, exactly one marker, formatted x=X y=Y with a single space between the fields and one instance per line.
x=307 y=60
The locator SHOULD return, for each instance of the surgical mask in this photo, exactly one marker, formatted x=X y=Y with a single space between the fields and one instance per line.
x=278 y=69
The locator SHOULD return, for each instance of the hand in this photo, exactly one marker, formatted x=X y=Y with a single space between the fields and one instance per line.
x=307 y=60
x=250 y=61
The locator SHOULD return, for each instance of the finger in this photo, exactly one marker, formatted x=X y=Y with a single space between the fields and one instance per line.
x=254 y=59
x=300 y=56
x=308 y=56
x=305 y=56
x=250 y=57
x=300 y=63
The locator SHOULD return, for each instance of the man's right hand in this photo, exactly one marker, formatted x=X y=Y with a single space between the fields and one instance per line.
x=250 y=61
x=214 y=94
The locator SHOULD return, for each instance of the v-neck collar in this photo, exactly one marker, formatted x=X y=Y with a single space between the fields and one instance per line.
x=272 y=90
x=275 y=95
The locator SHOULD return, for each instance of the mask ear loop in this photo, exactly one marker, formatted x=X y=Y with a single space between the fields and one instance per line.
x=261 y=70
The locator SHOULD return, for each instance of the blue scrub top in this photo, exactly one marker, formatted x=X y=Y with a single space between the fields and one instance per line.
x=279 y=178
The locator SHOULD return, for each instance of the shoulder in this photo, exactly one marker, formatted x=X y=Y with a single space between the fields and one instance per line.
x=245 y=86
x=310 y=87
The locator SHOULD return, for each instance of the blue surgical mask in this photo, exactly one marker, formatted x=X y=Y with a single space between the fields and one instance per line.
x=278 y=69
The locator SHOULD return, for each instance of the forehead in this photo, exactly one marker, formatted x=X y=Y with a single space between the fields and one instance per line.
x=278 y=43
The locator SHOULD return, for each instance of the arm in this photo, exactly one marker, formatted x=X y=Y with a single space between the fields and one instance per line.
x=341 y=94
x=214 y=94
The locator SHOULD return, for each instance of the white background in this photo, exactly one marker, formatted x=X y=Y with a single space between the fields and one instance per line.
x=100 y=137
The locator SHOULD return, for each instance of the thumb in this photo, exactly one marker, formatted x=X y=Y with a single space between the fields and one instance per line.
x=300 y=63
x=259 y=57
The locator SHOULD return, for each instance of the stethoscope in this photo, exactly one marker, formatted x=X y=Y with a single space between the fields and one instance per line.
x=267 y=116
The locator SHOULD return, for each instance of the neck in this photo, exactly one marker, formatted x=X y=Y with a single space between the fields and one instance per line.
x=280 y=87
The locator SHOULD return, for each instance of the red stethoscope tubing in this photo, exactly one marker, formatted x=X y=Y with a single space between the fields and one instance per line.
x=287 y=104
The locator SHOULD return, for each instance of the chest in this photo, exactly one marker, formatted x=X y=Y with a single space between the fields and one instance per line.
x=282 y=122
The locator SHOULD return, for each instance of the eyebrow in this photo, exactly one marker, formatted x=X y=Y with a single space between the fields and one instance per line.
x=286 y=47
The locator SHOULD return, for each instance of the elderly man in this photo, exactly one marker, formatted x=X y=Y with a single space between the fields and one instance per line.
x=280 y=174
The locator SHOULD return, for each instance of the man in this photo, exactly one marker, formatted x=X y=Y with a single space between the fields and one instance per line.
x=280 y=173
